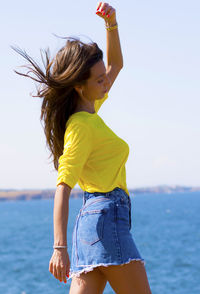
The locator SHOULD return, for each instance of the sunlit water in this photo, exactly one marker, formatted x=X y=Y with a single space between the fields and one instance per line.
x=166 y=230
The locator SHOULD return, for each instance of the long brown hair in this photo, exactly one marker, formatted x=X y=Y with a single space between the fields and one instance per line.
x=71 y=66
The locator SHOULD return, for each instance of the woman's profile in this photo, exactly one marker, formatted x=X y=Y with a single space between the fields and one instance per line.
x=86 y=151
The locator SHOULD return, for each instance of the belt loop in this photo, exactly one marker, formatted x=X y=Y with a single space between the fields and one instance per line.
x=84 y=197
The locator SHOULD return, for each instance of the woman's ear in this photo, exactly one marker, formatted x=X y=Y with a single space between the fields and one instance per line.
x=79 y=90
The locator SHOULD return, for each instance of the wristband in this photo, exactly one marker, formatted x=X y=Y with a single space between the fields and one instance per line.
x=110 y=28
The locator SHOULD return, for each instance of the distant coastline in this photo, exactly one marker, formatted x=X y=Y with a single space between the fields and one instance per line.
x=29 y=194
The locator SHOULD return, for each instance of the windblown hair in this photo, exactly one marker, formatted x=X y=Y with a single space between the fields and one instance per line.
x=71 y=66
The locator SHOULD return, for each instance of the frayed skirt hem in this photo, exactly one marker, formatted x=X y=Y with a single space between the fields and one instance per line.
x=89 y=268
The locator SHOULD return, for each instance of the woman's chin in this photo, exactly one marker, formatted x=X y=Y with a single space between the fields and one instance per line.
x=100 y=97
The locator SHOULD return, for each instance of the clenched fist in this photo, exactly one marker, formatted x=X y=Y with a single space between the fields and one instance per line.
x=107 y=12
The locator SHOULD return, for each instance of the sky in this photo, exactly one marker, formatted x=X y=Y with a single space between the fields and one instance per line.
x=154 y=104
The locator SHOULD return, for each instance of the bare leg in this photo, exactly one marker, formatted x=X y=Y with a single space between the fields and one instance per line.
x=129 y=278
x=92 y=282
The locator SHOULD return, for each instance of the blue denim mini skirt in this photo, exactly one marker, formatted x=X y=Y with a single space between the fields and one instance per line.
x=101 y=235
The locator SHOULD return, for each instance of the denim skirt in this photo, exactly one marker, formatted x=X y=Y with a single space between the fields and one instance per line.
x=102 y=232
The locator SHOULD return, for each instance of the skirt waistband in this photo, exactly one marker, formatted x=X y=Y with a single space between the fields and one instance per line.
x=114 y=194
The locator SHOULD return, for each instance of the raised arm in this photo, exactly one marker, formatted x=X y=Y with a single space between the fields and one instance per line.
x=114 y=53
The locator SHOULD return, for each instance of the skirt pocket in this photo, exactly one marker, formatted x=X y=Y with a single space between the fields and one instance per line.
x=91 y=224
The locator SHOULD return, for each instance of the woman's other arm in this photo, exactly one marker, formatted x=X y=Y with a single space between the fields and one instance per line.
x=78 y=143
x=60 y=213
x=59 y=264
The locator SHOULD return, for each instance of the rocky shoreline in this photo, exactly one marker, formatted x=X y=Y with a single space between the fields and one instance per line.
x=28 y=194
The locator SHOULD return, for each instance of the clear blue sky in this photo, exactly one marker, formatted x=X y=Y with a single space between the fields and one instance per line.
x=154 y=104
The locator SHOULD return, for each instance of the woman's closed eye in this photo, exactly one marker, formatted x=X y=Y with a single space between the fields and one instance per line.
x=100 y=81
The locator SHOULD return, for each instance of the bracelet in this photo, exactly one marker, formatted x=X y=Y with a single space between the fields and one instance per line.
x=110 y=28
x=59 y=247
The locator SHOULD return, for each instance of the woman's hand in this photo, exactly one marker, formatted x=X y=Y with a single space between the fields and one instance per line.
x=107 y=12
x=59 y=264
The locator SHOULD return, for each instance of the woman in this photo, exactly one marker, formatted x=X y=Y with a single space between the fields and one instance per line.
x=87 y=151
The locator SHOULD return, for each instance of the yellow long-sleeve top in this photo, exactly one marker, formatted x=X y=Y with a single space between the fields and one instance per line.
x=93 y=155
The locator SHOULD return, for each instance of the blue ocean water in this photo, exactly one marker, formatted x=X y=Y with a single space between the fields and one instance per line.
x=165 y=227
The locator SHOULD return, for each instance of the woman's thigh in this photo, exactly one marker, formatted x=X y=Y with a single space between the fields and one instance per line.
x=130 y=278
x=92 y=282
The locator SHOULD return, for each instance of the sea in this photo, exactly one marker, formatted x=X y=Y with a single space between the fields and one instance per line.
x=165 y=228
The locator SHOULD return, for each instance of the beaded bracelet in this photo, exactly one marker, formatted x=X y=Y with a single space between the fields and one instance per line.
x=110 y=28
x=59 y=247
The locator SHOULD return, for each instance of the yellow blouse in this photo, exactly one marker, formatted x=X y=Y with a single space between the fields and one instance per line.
x=93 y=155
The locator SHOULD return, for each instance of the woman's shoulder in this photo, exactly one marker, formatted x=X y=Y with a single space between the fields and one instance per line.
x=78 y=123
x=76 y=119
x=78 y=130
